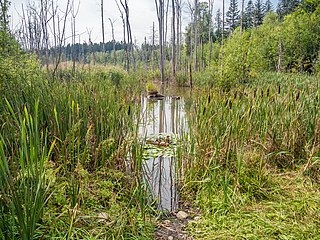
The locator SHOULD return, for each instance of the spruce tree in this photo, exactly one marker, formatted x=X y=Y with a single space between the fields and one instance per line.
x=248 y=15
x=232 y=16
x=218 y=25
x=258 y=13
x=268 y=7
x=4 y=17
x=286 y=6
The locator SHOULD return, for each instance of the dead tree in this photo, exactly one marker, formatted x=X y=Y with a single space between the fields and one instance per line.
x=195 y=25
x=103 y=39
x=74 y=14
x=173 y=39
x=129 y=33
x=222 y=34
x=124 y=36
x=178 y=6
x=160 y=15
x=211 y=2
x=61 y=37
x=113 y=43
x=152 y=48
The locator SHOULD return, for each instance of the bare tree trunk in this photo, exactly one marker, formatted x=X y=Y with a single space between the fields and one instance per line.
x=73 y=27
x=113 y=43
x=165 y=48
x=160 y=14
x=222 y=34
x=129 y=33
x=195 y=34
x=103 y=39
x=152 y=48
x=173 y=40
x=61 y=37
x=124 y=37
x=178 y=10
x=211 y=2
x=44 y=23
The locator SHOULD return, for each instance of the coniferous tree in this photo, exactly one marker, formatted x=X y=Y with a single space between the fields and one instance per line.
x=258 y=13
x=248 y=15
x=286 y=6
x=232 y=15
x=4 y=17
x=268 y=7
x=218 y=25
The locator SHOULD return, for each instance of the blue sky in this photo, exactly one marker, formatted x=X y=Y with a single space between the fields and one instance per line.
x=142 y=14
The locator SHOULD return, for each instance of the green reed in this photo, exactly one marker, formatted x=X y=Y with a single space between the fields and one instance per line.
x=77 y=128
x=278 y=122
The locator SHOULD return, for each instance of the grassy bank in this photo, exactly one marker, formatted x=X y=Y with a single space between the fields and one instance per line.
x=252 y=160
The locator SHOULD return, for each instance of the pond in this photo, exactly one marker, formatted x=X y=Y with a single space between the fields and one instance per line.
x=162 y=122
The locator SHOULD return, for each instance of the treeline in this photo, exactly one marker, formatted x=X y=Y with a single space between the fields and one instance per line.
x=81 y=52
x=235 y=43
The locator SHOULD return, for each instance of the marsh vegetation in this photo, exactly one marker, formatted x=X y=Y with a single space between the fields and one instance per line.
x=99 y=147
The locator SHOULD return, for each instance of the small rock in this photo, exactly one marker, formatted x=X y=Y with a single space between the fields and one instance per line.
x=197 y=218
x=166 y=222
x=182 y=215
x=103 y=217
x=170 y=238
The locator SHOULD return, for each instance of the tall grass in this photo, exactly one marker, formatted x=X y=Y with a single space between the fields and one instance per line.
x=23 y=184
x=73 y=133
x=246 y=137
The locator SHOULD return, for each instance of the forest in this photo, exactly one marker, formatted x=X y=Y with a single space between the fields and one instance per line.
x=208 y=129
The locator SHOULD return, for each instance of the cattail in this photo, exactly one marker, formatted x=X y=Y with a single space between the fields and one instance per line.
x=279 y=89
x=227 y=101
x=230 y=104
x=209 y=98
x=204 y=110
x=317 y=98
x=235 y=95
x=298 y=96
x=268 y=92
x=129 y=110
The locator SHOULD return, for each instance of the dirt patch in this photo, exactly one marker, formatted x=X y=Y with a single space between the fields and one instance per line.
x=173 y=226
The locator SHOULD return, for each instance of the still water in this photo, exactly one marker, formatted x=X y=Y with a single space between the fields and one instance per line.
x=164 y=118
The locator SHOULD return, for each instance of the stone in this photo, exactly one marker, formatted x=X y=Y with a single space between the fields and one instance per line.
x=103 y=217
x=170 y=238
x=182 y=215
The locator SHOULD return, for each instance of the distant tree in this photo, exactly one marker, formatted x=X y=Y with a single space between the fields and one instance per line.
x=268 y=6
x=4 y=17
x=286 y=6
x=248 y=15
x=218 y=25
x=258 y=13
x=232 y=15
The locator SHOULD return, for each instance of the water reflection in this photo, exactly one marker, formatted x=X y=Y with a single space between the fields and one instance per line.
x=165 y=117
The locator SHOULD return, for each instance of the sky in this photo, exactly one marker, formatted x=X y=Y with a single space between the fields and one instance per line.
x=142 y=15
